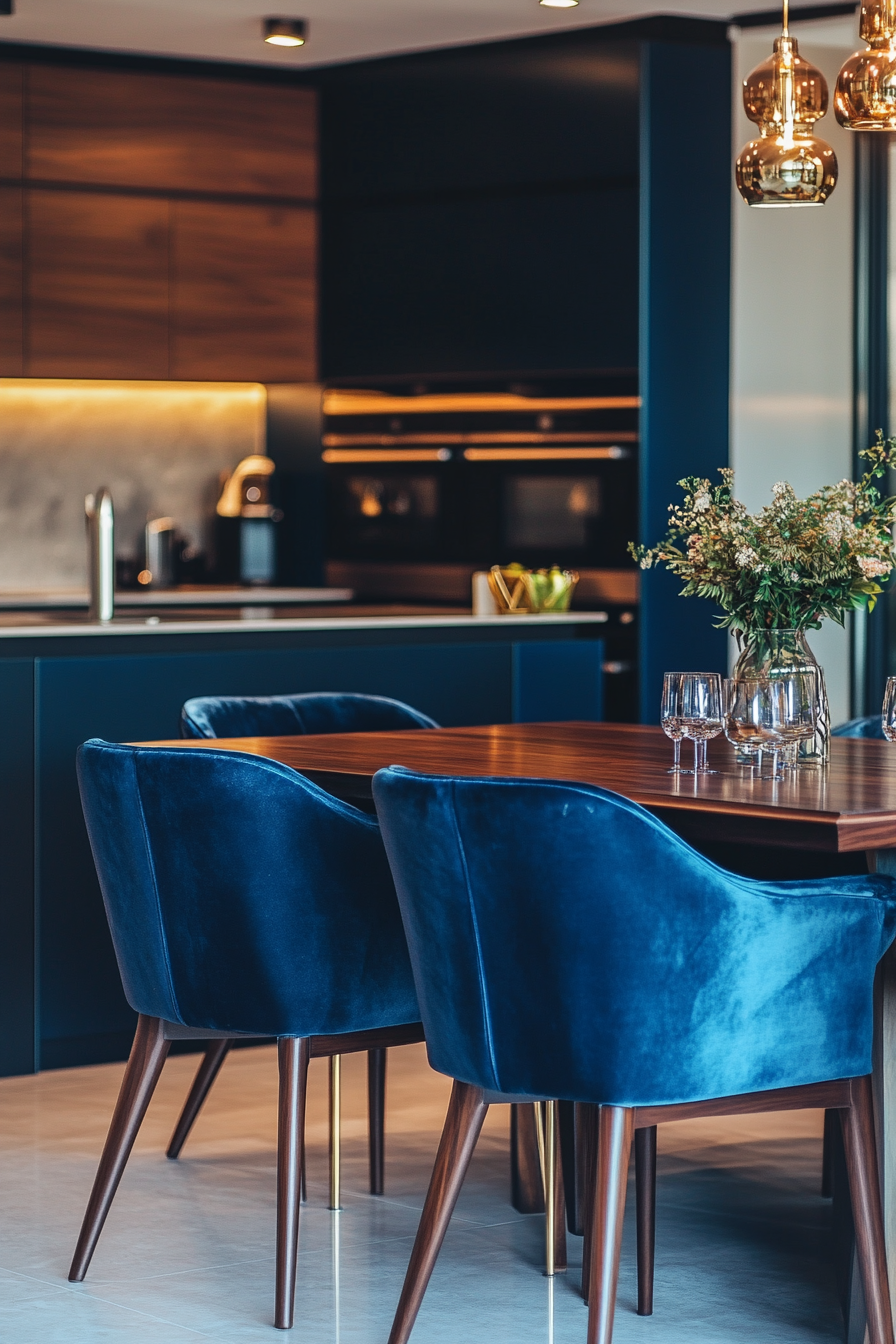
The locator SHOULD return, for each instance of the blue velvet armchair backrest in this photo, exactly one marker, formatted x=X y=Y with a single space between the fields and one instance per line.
x=240 y=896
x=287 y=715
x=867 y=727
x=565 y=943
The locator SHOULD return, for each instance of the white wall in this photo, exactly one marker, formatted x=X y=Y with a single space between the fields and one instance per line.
x=791 y=383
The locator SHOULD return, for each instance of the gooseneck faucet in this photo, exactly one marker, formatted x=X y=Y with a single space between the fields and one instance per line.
x=101 y=554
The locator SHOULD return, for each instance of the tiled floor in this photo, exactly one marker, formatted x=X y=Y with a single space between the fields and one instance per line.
x=187 y=1254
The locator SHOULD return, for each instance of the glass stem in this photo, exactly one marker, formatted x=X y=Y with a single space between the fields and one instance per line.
x=696 y=755
x=676 y=753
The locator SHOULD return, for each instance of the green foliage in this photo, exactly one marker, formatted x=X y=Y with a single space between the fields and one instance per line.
x=794 y=562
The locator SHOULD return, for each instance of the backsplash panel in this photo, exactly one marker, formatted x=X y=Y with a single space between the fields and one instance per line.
x=159 y=447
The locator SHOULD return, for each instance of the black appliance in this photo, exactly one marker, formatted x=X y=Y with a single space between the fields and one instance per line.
x=427 y=482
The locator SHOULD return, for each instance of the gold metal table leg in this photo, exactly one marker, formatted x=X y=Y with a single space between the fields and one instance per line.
x=335 y=1131
x=550 y=1176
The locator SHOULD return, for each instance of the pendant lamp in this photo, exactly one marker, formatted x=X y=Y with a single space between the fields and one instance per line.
x=865 y=98
x=786 y=165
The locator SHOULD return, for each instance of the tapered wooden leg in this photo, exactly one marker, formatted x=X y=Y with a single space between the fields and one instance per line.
x=645 y=1189
x=560 y=1260
x=148 y=1054
x=864 y=1188
x=526 y=1190
x=570 y=1162
x=376 y=1117
x=827 y=1187
x=293 y=1056
x=614 y=1145
x=466 y=1113
x=215 y=1054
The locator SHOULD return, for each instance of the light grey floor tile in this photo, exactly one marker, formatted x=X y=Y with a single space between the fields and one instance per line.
x=743 y=1246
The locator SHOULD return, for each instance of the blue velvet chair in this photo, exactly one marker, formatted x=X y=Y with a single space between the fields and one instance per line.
x=567 y=944
x=242 y=900
x=287 y=716
x=290 y=715
x=868 y=727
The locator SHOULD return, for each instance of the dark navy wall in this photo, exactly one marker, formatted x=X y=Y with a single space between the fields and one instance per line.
x=684 y=332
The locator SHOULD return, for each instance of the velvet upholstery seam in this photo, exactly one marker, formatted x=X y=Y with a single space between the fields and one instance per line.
x=155 y=887
x=483 y=997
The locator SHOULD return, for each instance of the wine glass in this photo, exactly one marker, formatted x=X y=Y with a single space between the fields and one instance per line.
x=786 y=712
x=670 y=718
x=801 y=710
x=888 y=712
x=701 y=713
x=741 y=728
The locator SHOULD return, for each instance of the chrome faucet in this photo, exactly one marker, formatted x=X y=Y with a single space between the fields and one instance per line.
x=101 y=554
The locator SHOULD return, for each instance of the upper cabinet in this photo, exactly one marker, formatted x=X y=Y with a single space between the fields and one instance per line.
x=11 y=80
x=98 y=286
x=156 y=226
x=171 y=133
x=243 y=292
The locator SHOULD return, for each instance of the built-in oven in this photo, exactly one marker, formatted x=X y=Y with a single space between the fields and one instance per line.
x=427 y=484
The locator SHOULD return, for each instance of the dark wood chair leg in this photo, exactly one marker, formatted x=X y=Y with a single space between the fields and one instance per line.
x=466 y=1113
x=614 y=1145
x=864 y=1188
x=148 y=1054
x=827 y=1183
x=294 y=1054
x=570 y=1161
x=645 y=1190
x=215 y=1054
x=376 y=1116
x=526 y=1192
x=561 y=1263
x=588 y=1123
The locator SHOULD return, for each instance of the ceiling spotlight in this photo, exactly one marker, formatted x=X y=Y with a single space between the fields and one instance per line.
x=285 y=32
x=559 y=4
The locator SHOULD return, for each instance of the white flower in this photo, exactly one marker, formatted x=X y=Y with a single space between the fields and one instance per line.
x=645 y=563
x=872 y=568
x=746 y=557
x=779 y=488
x=702 y=502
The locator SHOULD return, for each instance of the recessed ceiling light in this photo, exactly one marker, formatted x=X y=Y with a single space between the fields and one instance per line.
x=289 y=32
x=559 y=4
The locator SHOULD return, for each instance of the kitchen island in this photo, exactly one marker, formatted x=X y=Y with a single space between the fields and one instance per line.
x=65 y=680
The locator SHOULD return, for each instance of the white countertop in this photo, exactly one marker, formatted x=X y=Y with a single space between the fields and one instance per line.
x=59 y=628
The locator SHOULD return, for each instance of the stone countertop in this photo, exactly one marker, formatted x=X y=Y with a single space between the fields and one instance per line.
x=246 y=619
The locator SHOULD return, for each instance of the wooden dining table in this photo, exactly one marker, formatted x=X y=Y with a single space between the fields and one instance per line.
x=818 y=820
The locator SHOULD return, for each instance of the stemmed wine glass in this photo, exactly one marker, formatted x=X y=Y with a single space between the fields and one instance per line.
x=670 y=718
x=785 y=711
x=888 y=712
x=701 y=713
x=741 y=728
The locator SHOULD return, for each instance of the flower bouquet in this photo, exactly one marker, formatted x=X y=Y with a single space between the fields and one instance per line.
x=780 y=572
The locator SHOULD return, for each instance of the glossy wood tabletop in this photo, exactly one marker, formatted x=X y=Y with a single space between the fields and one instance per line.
x=848 y=805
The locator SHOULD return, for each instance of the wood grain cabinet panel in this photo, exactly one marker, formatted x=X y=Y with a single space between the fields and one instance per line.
x=171 y=133
x=11 y=351
x=97 y=286
x=10 y=120
x=243 y=296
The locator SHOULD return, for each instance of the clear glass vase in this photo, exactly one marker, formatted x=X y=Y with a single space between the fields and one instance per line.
x=774 y=653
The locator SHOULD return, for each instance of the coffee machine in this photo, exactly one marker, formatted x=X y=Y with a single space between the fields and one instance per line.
x=246 y=520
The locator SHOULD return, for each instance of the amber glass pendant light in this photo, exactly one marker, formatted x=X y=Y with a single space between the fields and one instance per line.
x=865 y=99
x=787 y=165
